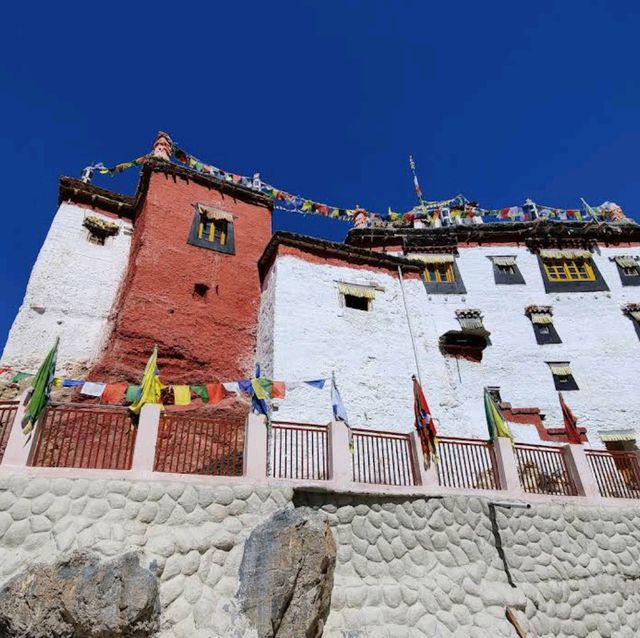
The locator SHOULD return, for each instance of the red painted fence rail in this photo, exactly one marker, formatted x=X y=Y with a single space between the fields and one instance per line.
x=467 y=463
x=299 y=451
x=8 y=411
x=384 y=458
x=90 y=438
x=199 y=445
x=617 y=473
x=543 y=470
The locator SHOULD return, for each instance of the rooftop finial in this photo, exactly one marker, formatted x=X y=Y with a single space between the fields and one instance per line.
x=162 y=146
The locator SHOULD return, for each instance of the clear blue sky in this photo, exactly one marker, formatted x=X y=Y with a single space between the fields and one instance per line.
x=497 y=100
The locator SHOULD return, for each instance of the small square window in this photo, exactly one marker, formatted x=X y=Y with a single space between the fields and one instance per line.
x=563 y=376
x=544 y=330
x=630 y=271
x=95 y=238
x=505 y=270
x=212 y=229
x=439 y=273
x=356 y=302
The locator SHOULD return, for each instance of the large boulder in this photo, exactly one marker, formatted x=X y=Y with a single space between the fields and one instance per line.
x=286 y=574
x=81 y=596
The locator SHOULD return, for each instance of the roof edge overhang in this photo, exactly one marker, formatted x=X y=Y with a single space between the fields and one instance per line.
x=71 y=188
x=338 y=250
x=516 y=232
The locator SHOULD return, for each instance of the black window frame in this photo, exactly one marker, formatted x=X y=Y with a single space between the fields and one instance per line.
x=628 y=280
x=546 y=338
x=229 y=248
x=455 y=287
x=364 y=301
x=598 y=285
x=502 y=277
x=563 y=382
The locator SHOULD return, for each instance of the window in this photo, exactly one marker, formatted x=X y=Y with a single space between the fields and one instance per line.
x=562 y=375
x=628 y=269
x=357 y=303
x=542 y=321
x=632 y=310
x=570 y=270
x=213 y=229
x=98 y=229
x=439 y=274
x=505 y=270
x=357 y=297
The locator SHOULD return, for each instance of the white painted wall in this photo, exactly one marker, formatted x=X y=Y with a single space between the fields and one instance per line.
x=373 y=361
x=71 y=291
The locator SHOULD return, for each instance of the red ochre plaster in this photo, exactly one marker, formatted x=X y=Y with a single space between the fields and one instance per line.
x=199 y=340
x=531 y=416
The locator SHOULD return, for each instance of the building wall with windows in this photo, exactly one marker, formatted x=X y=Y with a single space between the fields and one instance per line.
x=196 y=299
x=71 y=291
x=314 y=334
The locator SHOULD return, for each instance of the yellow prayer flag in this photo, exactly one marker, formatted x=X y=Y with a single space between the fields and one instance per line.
x=150 y=387
x=181 y=394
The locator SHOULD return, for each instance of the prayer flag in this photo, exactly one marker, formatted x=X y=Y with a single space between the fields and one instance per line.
x=570 y=422
x=181 y=394
x=41 y=385
x=232 y=386
x=151 y=387
x=316 y=383
x=496 y=422
x=424 y=424
x=278 y=389
x=114 y=393
x=216 y=392
x=132 y=394
x=20 y=376
x=92 y=389
x=339 y=411
x=201 y=391
x=71 y=383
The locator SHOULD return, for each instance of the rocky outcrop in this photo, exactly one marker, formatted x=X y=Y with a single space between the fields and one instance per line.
x=286 y=575
x=81 y=596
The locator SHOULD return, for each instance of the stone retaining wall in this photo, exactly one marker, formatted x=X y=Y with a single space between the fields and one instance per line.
x=405 y=566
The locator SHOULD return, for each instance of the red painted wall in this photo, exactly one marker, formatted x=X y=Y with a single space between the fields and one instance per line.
x=199 y=340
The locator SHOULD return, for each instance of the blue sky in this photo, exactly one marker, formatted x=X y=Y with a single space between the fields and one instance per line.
x=497 y=100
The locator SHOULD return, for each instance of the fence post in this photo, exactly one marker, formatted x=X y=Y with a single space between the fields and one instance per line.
x=144 y=453
x=339 y=457
x=426 y=477
x=255 y=448
x=580 y=470
x=16 y=454
x=507 y=466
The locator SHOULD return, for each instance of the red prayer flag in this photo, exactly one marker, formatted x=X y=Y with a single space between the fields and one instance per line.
x=424 y=422
x=570 y=422
x=216 y=392
x=114 y=393
x=278 y=389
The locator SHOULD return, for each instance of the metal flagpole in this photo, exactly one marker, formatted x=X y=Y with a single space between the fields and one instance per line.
x=406 y=312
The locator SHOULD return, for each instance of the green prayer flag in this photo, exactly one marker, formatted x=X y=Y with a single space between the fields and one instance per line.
x=41 y=385
x=267 y=386
x=201 y=391
x=133 y=392
x=21 y=376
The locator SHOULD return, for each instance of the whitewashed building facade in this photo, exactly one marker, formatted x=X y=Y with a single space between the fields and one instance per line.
x=547 y=307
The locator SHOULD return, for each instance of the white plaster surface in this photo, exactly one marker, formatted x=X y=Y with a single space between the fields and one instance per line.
x=70 y=294
x=371 y=353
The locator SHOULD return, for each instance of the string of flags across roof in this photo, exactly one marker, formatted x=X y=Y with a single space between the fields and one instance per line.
x=456 y=210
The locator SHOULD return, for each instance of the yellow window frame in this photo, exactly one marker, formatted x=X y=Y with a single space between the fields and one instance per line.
x=564 y=270
x=439 y=273
x=213 y=226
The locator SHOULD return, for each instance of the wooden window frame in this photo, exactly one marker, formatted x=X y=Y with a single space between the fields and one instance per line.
x=439 y=273
x=217 y=235
x=564 y=270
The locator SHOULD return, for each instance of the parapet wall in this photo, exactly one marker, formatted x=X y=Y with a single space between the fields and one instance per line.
x=405 y=566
